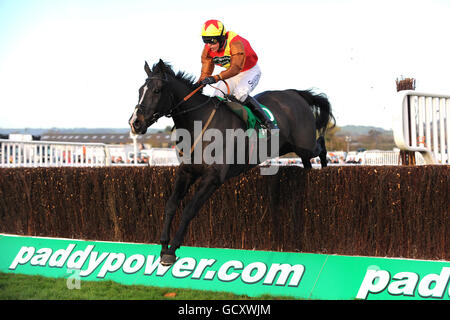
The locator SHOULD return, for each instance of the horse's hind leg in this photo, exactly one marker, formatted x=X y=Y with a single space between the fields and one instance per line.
x=182 y=183
x=322 y=151
x=319 y=150
x=305 y=155
x=306 y=161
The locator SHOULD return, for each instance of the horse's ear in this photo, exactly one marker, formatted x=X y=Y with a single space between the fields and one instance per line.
x=147 y=69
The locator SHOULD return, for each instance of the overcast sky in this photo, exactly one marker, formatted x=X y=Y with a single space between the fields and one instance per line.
x=80 y=63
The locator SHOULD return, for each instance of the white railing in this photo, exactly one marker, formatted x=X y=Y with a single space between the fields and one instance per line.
x=162 y=157
x=52 y=154
x=59 y=154
x=422 y=124
x=385 y=158
x=368 y=158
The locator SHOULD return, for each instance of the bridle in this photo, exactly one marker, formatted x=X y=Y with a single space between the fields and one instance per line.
x=172 y=112
x=140 y=106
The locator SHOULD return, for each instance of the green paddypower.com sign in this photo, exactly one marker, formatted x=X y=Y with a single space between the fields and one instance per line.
x=254 y=273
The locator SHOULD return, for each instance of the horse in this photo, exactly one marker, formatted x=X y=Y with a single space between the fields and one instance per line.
x=302 y=116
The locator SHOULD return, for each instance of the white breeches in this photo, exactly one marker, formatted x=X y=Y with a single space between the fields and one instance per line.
x=241 y=84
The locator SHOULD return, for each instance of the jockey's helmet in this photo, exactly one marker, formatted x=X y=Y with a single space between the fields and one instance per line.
x=213 y=31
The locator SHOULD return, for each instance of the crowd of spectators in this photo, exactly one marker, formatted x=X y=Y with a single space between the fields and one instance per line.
x=142 y=159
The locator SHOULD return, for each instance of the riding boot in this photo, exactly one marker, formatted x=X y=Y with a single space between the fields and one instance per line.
x=259 y=112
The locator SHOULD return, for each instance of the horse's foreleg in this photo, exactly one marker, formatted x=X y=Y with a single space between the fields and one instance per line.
x=206 y=188
x=182 y=183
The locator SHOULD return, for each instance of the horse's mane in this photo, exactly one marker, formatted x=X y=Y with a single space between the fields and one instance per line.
x=185 y=78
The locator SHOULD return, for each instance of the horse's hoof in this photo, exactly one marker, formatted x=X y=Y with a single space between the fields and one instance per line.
x=168 y=260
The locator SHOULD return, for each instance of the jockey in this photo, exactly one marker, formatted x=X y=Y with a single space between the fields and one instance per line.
x=234 y=53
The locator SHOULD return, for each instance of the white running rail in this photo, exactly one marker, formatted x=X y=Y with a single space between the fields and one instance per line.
x=421 y=123
x=53 y=154
x=163 y=157
x=386 y=158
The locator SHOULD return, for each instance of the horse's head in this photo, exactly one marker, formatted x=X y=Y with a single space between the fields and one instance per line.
x=154 y=99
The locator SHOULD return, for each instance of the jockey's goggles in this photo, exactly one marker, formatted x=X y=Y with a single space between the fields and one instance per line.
x=210 y=40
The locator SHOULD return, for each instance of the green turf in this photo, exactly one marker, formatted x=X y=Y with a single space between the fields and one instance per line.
x=25 y=287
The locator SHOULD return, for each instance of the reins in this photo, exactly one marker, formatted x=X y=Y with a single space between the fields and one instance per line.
x=192 y=93
x=211 y=116
x=228 y=88
x=186 y=98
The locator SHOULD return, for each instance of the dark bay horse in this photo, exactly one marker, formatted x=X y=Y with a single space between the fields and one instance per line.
x=301 y=115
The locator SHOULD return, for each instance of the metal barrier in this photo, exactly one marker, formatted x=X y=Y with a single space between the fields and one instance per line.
x=163 y=157
x=52 y=154
x=386 y=158
x=56 y=154
x=422 y=124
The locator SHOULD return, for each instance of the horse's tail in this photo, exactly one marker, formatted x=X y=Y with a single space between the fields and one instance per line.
x=321 y=108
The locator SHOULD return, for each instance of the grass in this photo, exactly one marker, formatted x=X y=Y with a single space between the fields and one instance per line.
x=25 y=287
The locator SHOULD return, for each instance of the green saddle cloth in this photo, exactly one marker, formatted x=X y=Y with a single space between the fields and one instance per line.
x=244 y=113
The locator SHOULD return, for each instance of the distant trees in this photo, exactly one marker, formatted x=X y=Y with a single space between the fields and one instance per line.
x=333 y=141
x=336 y=140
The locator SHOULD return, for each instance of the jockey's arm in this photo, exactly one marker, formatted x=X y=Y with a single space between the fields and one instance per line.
x=237 y=60
x=207 y=65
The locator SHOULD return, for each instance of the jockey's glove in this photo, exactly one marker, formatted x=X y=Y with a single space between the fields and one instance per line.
x=209 y=80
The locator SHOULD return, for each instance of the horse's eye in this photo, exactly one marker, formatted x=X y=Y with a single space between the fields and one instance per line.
x=156 y=91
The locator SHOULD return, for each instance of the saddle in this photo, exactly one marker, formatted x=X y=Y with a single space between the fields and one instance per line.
x=246 y=115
